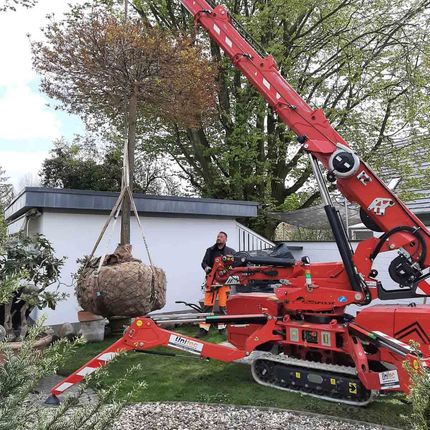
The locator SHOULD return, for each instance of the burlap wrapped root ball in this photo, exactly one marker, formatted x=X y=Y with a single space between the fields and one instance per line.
x=124 y=286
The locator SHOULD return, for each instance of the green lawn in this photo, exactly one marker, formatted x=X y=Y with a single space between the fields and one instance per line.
x=186 y=377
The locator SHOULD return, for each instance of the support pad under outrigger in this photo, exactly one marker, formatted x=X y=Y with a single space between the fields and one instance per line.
x=52 y=400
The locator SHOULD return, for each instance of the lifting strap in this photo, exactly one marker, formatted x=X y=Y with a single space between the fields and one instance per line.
x=114 y=214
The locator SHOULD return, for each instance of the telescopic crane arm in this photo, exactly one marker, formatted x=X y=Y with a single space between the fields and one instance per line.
x=381 y=210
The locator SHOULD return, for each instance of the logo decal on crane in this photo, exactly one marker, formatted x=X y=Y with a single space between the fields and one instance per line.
x=389 y=379
x=364 y=178
x=379 y=205
x=185 y=344
x=233 y=280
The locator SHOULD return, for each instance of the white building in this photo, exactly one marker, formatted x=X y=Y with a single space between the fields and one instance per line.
x=178 y=231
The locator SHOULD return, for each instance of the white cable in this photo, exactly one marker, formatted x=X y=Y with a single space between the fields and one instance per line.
x=109 y=241
x=133 y=205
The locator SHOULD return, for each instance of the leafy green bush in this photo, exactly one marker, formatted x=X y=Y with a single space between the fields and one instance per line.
x=28 y=266
x=419 y=395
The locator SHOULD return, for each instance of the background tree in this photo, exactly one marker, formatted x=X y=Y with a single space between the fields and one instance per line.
x=13 y=4
x=99 y=65
x=364 y=62
x=6 y=189
x=83 y=164
x=6 y=194
x=2 y=229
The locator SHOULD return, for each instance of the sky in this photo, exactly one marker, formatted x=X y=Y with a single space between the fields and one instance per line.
x=28 y=126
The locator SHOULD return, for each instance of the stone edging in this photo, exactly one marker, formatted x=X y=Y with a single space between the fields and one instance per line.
x=38 y=345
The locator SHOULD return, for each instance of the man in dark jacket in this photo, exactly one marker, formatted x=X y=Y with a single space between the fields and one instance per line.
x=220 y=248
x=221 y=294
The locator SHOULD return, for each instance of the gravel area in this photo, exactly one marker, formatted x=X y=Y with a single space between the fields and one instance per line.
x=198 y=416
x=193 y=416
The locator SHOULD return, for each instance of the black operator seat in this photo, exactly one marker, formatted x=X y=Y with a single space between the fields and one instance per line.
x=279 y=255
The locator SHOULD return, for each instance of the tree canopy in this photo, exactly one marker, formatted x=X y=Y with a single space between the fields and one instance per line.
x=97 y=64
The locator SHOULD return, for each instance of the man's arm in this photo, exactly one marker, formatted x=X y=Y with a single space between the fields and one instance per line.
x=205 y=261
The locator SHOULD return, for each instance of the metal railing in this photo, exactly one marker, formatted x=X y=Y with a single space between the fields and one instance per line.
x=249 y=240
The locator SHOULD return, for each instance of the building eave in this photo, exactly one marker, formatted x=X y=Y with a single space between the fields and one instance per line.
x=100 y=201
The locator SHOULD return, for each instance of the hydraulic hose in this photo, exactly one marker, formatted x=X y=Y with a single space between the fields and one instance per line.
x=413 y=231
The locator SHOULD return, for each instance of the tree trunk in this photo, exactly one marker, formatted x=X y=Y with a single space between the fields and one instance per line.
x=131 y=142
x=24 y=324
x=8 y=320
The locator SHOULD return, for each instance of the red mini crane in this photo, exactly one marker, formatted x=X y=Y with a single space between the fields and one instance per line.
x=299 y=337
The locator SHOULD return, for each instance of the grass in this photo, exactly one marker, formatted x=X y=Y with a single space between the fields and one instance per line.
x=186 y=377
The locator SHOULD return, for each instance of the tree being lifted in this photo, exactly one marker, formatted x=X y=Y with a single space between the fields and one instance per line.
x=100 y=66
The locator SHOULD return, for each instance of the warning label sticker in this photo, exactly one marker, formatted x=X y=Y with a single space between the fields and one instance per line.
x=389 y=379
x=185 y=344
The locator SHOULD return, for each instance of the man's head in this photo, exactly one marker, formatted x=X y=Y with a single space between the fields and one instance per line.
x=221 y=239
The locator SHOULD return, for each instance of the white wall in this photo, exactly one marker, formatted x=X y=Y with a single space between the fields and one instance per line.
x=328 y=252
x=176 y=244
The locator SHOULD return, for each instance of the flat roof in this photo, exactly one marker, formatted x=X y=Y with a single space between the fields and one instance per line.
x=66 y=200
